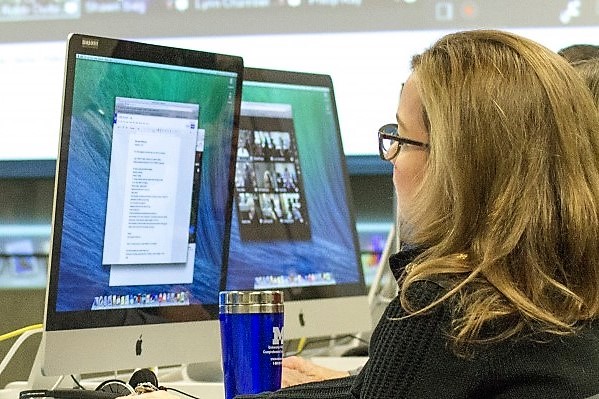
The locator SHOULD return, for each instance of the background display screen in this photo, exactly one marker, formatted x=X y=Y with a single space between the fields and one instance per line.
x=365 y=45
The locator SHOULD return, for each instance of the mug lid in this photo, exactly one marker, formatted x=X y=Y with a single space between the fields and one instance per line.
x=250 y=298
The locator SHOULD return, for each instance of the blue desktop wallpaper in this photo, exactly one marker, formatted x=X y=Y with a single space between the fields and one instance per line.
x=81 y=275
x=331 y=247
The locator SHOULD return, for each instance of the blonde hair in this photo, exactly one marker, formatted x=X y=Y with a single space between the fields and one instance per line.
x=508 y=208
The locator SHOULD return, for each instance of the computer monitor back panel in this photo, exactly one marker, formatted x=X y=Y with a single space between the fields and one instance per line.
x=142 y=206
x=293 y=225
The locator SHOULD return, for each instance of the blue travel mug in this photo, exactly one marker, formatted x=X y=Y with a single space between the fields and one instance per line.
x=251 y=325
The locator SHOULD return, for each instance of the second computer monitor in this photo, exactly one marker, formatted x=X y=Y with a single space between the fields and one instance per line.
x=293 y=225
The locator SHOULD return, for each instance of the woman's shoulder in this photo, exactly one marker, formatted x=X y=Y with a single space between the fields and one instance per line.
x=584 y=339
x=562 y=366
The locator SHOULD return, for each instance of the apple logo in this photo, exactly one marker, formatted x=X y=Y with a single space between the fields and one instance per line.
x=301 y=319
x=138 y=346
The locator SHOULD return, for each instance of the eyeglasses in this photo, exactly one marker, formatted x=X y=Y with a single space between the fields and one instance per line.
x=390 y=142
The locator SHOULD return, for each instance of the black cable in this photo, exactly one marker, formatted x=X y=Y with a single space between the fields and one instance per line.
x=77 y=382
x=181 y=392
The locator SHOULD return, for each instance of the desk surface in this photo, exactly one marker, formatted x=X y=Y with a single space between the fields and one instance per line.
x=215 y=390
x=204 y=390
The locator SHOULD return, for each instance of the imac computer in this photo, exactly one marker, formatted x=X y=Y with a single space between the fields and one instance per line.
x=293 y=226
x=143 y=198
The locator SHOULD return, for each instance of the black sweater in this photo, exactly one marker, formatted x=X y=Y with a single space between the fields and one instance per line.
x=412 y=358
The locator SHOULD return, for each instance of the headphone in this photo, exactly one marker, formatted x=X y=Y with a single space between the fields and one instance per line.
x=141 y=381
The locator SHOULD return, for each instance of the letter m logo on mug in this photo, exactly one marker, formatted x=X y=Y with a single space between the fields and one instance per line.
x=277 y=335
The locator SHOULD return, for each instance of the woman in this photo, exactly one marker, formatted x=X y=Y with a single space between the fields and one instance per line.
x=496 y=168
x=498 y=192
x=579 y=52
x=589 y=71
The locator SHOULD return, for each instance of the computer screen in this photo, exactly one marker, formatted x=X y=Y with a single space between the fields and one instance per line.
x=142 y=206
x=293 y=224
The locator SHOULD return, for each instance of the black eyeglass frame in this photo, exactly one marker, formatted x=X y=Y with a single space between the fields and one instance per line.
x=400 y=140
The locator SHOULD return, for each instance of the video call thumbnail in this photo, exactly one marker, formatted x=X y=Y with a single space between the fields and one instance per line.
x=270 y=197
